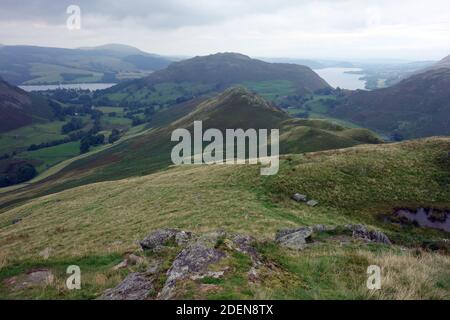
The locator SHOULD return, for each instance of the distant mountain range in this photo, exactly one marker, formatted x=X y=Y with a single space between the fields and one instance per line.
x=109 y=63
x=19 y=108
x=418 y=106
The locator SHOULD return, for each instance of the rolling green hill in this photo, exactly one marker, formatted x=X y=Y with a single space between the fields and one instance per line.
x=97 y=225
x=110 y=63
x=205 y=75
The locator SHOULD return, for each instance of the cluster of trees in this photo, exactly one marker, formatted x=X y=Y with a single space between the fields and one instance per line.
x=16 y=173
x=133 y=115
x=91 y=140
x=73 y=125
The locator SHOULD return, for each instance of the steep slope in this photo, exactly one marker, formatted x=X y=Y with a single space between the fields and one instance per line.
x=236 y=108
x=19 y=108
x=42 y=65
x=96 y=226
x=442 y=64
x=207 y=74
x=418 y=106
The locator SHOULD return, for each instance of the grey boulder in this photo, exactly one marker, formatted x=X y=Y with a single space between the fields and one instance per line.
x=295 y=239
x=299 y=197
x=158 y=239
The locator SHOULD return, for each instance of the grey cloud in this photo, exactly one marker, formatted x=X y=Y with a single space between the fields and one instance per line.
x=151 y=13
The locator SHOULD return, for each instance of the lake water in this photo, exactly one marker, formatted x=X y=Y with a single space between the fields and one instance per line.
x=338 y=77
x=82 y=86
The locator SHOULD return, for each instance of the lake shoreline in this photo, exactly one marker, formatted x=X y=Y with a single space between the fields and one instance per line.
x=76 y=86
x=344 y=78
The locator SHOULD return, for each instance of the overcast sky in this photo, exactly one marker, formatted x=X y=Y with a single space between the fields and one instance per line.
x=344 y=29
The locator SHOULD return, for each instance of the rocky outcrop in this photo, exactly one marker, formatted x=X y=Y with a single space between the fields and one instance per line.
x=158 y=239
x=137 y=286
x=202 y=256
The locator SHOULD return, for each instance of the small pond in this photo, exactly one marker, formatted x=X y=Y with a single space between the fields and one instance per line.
x=426 y=217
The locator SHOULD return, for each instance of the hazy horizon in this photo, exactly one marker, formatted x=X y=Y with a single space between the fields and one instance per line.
x=346 y=30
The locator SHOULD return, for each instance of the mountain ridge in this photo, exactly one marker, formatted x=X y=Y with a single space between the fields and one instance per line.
x=19 y=108
x=211 y=74
x=418 y=106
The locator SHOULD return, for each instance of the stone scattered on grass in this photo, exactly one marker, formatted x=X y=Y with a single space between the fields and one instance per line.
x=299 y=197
x=312 y=203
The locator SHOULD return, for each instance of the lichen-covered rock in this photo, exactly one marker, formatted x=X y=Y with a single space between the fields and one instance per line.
x=295 y=239
x=158 y=239
x=193 y=261
x=136 y=286
x=361 y=232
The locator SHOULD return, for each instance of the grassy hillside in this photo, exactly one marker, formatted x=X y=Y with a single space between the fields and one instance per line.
x=418 y=106
x=235 y=108
x=94 y=226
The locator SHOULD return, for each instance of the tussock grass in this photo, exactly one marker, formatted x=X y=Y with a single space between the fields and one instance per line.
x=411 y=275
